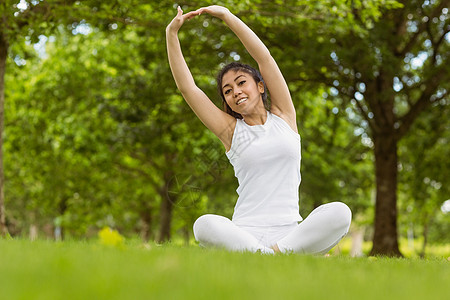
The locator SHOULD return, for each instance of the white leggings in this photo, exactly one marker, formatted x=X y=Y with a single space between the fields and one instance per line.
x=317 y=234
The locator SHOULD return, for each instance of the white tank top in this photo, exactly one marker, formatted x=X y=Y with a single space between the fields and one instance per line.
x=266 y=161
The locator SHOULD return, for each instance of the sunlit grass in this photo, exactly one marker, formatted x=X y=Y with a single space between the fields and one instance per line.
x=92 y=270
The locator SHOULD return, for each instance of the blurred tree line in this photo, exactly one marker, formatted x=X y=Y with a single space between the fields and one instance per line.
x=96 y=134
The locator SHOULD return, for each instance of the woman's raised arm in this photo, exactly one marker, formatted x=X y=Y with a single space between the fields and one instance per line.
x=279 y=92
x=219 y=122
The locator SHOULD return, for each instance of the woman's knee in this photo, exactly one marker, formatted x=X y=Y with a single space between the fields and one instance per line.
x=199 y=225
x=341 y=214
x=206 y=224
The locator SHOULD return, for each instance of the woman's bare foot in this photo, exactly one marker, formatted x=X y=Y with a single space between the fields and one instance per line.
x=276 y=249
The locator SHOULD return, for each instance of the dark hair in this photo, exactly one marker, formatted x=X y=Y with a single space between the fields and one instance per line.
x=236 y=66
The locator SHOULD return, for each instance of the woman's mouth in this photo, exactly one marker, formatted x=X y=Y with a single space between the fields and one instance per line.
x=241 y=100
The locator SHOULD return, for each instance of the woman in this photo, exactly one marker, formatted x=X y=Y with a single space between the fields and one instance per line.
x=264 y=148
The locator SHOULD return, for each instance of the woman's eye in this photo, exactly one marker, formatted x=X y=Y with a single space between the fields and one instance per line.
x=227 y=92
x=242 y=82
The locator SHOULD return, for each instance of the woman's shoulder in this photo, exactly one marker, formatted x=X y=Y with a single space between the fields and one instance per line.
x=289 y=120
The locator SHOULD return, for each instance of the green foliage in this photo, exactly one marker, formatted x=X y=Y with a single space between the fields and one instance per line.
x=97 y=134
x=423 y=177
x=107 y=135
x=336 y=165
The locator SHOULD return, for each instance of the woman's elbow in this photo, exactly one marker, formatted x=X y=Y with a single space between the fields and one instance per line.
x=185 y=89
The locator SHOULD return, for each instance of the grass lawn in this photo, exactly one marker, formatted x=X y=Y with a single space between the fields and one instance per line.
x=90 y=270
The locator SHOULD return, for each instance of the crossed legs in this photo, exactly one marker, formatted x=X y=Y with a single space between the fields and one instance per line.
x=318 y=233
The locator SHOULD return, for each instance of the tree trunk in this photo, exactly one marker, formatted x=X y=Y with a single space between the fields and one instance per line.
x=60 y=230
x=3 y=56
x=166 y=209
x=146 y=219
x=186 y=235
x=385 y=236
x=425 y=239
x=165 y=220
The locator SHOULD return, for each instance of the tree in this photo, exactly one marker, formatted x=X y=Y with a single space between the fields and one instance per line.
x=55 y=145
x=121 y=76
x=378 y=64
x=28 y=21
x=388 y=62
x=424 y=183
x=405 y=71
x=31 y=19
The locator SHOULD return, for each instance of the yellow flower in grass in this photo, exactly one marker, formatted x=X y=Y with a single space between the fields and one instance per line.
x=110 y=237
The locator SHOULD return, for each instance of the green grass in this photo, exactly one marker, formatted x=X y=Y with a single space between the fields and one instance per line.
x=89 y=270
x=408 y=249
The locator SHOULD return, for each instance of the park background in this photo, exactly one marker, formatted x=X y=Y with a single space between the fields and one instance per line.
x=95 y=133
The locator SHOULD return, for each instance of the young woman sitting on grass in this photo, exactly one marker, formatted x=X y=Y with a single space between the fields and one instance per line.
x=263 y=145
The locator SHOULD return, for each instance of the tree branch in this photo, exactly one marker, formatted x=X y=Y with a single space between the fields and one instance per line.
x=42 y=8
x=293 y=15
x=422 y=103
x=436 y=46
x=421 y=29
x=130 y=170
x=365 y=115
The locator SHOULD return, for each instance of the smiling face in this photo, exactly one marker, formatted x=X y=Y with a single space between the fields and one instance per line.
x=241 y=92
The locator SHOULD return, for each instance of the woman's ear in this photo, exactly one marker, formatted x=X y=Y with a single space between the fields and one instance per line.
x=261 y=87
